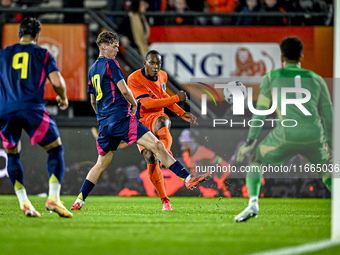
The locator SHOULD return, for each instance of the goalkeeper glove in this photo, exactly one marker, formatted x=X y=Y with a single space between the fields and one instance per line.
x=248 y=146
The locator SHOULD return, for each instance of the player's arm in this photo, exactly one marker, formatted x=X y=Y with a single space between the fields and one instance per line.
x=119 y=79
x=126 y=92
x=151 y=103
x=186 y=116
x=93 y=103
x=175 y=107
x=142 y=94
x=59 y=87
x=91 y=91
x=326 y=111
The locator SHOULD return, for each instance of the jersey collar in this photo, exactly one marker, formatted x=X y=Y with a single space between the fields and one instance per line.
x=31 y=42
x=292 y=66
x=143 y=72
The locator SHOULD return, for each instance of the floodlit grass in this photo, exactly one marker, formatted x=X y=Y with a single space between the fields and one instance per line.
x=137 y=225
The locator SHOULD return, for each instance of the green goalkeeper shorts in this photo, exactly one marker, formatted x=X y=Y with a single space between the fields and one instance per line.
x=276 y=151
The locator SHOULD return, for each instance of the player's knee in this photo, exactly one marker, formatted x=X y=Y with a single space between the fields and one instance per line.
x=15 y=150
x=162 y=122
x=56 y=152
x=57 y=149
x=103 y=165
x=104 y=162
x=154 y=146
x=55 y=144
x=159 y=146
x=149 y=156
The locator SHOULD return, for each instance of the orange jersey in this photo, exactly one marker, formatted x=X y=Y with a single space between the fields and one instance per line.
x=151 y=95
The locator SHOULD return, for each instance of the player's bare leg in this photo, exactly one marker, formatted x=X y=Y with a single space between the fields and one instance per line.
x=149 y=141
x=102 y=163
x=91 y=179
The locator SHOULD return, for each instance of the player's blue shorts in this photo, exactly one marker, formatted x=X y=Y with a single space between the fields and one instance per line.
x=38 y=124
x=128 y=129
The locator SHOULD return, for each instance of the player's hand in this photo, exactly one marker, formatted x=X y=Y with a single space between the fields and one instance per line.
x=62 y=103
x=248 y=146
x=188 y=117
x=182 y=96
x=133 y=109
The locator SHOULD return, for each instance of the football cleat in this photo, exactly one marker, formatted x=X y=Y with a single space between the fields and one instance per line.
x=250 y=212
x=197 y=179
x=76 y=206
x=58 y=207
x=28 y=209
x=166 y=205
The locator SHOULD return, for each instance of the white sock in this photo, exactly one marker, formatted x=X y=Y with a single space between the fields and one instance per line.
x=78 y=200
x=188 y=178
x=22 y=196
x=253 y=200
x=54 y=190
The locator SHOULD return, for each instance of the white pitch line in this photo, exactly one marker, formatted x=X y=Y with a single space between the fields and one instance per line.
x=300 y=249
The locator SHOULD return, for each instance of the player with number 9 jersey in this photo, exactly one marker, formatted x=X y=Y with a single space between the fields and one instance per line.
x=23 y=72
x=22 y=84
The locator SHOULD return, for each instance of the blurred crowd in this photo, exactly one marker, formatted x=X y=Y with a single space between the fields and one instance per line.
x=136 y=16
x=134 y=27
x=18 y=17
x=178 y=7
x=236 y=6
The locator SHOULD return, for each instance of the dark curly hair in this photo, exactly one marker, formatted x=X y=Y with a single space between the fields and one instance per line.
x=29 y=26
x=291 y=48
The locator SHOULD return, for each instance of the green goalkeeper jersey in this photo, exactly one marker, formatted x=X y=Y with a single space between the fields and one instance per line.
x=309 y=128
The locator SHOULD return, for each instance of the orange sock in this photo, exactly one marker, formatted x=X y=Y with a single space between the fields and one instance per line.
x=156 y=177
x=165 y=137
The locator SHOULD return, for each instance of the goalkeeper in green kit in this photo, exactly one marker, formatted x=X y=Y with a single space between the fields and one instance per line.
x=304 y=129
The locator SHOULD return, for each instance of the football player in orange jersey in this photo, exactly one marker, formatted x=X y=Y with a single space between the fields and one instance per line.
x=148 y=86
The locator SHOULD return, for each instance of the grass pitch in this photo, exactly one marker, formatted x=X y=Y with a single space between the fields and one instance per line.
x=137 y=225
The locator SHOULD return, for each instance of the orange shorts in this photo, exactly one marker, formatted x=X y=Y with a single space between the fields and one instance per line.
x=150 y=122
